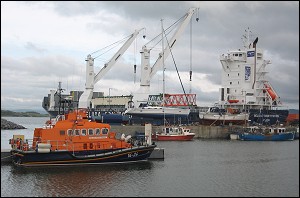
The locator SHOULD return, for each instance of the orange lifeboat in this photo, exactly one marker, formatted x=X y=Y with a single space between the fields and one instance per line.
x=271 y=92
x=73 y=139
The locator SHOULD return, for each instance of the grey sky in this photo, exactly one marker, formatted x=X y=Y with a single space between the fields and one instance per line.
x=46 y=42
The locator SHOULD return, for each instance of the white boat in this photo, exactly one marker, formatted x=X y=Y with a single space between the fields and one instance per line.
x=234 y=136
x=216 y=116
x=174 y=133
x=158 y=112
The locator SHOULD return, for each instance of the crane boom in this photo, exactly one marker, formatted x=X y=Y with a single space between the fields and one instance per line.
x=148 y=72
x=92 y=79
x=158 y=64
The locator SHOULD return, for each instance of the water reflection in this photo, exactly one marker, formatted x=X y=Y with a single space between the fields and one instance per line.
x=94 y=180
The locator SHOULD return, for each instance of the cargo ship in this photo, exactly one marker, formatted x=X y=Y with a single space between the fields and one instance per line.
x=245 y=86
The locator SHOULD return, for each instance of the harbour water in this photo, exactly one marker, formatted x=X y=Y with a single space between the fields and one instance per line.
x=197 y=168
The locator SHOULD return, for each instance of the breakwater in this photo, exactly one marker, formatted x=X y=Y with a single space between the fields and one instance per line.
x=5 y=124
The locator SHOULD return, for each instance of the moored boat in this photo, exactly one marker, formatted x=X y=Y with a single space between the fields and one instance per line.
x=174 y=133
x=217 y=116
x=255 y=133
x=234 y=136
x=72 y=139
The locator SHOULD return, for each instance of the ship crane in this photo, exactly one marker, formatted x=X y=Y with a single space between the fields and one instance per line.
x=148 y=72
x=92 y=79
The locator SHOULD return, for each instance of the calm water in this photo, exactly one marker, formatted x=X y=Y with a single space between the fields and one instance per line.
x=198 y=168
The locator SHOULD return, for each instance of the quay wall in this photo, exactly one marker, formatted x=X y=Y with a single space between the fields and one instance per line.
x=201 y=131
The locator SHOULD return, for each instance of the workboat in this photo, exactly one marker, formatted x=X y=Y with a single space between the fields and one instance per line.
x=263 y=133
x=72 y=139
x=173 y=133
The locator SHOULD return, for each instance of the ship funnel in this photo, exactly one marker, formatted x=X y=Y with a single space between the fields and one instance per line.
x=255 y=41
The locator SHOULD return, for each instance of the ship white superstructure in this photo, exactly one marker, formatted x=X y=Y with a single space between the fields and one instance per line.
x=244 y=81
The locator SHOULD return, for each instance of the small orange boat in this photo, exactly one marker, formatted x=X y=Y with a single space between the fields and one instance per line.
x=72 y=139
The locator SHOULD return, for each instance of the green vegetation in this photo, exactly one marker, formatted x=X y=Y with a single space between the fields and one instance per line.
x=7 y=113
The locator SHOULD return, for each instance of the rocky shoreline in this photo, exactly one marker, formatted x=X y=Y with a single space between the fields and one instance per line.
x=5 y=124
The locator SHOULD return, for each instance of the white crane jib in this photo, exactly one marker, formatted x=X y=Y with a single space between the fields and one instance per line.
x=92 y=79
x=146 y=72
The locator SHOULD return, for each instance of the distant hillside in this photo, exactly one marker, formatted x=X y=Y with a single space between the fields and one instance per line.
x=7 y=113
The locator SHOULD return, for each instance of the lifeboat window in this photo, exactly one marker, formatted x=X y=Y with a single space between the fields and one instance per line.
x=97 y=131
x=76 y=132
x=91 y=131
x=104 y=131
x=62 y=132
x=84 y=146
x=83 y=131
x=70 y=132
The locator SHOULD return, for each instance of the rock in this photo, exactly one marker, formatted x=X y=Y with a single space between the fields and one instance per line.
x=5 y=124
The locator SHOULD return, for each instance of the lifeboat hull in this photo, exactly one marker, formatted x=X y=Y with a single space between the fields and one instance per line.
x=57 y=158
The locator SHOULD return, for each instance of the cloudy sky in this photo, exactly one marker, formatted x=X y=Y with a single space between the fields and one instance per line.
x=43 y=43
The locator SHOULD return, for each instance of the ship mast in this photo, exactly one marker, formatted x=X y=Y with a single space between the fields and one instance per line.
x=163 y=64
x=246 y=38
